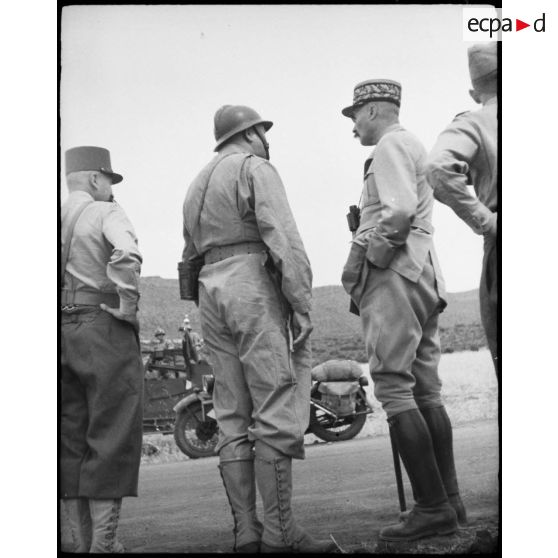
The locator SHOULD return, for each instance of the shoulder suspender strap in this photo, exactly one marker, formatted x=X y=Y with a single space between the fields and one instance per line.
x=68 y=240
x=197 y=222
x=243 y=174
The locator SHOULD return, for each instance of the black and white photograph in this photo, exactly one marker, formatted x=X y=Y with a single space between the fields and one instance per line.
x=278 y=243
x=279 y=298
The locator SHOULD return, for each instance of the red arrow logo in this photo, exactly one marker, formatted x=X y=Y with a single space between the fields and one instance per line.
x=519 y=25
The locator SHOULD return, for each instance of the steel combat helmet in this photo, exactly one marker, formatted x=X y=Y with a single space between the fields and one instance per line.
x=232 y=119
x=159 y=331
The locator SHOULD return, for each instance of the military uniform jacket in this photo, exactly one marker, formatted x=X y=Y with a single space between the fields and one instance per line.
x=396 y=208
x=104 y=254
x=466 y=154
x=246 y=202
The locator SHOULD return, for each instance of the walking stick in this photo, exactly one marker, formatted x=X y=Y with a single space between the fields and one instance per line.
x=397 y=467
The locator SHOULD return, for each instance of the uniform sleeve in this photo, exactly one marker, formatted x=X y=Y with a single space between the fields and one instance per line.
x=447 y=172
x=395 y=175
x=278 y=230
x=124 y=266
x=187 y=217
x=188 y=243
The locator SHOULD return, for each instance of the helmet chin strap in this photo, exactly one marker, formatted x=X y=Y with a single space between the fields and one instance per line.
x=264 y=142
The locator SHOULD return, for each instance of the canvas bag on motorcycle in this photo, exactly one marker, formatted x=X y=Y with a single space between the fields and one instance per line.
x=338 y=384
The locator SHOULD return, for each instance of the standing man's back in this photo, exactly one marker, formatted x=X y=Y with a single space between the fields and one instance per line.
x=466 y=154
x=255 y=290
x=101 y=383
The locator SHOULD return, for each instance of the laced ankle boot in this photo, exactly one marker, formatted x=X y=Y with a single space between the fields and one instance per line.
x=240 y=485
x=439 y=426
x=75 y=525
x=432 y=513
x=105 y=515
x=281 y=533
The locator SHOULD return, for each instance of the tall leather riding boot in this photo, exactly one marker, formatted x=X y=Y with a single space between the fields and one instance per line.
x=432 y=513
x=104 y=518
x=75 y=525
x=240 y=485
x=274 y=479
x=439 y=425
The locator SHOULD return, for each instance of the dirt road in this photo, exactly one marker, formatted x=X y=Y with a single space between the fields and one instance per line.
x=346 y=488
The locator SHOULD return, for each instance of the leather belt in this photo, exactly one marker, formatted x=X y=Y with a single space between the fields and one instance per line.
x=219 y=253
x=89 y=298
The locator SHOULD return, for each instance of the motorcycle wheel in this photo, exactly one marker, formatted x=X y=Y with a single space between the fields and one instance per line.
x=330 y=429
x=195 y=437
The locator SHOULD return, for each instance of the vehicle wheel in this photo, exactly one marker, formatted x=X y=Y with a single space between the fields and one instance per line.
x=193 y=436
x=329 y=429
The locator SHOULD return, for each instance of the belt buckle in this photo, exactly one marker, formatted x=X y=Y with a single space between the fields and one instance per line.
x=69 y=308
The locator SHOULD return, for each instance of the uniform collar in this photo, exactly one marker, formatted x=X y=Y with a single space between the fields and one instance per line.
x=393 y=128
x=231 y=148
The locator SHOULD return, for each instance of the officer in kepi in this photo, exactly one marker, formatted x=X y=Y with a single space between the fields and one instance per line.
x=394 y=280
x=255 y=291
x=466 y=154
x=101 y=380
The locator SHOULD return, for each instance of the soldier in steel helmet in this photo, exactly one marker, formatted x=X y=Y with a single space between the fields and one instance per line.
x=254 y=299
x=160 y=344
x=466 y=154
x=394 y=280
x=101 y=380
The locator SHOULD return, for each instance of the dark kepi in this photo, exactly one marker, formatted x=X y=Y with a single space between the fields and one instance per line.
x=90 y=158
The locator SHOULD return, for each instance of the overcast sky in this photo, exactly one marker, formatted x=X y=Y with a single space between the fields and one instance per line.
x=144 y=88
x=145 y=82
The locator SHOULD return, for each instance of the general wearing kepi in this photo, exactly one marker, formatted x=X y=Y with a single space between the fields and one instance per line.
x=394 y=280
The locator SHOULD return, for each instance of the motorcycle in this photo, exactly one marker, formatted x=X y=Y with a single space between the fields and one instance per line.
x=339 y=406
x=195 y=428
x=165 y=383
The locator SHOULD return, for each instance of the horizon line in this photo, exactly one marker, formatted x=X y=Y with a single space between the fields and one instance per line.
x=313 y=287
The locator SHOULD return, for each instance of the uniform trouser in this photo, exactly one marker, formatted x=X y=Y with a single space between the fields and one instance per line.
x=400 y=323
x=101 y=393
x=262 y=390
x=488 y=294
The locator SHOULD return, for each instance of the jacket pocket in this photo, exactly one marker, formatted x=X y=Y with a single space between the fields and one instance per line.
x=353 y=267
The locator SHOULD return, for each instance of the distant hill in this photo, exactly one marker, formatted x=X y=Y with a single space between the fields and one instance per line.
x=337 y=333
